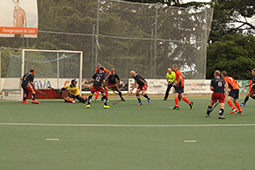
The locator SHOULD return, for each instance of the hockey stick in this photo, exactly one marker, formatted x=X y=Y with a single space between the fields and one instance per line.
x=41 y=92
x=214 y=106
x=56 y=90
x=112 y=91
x=119 y=100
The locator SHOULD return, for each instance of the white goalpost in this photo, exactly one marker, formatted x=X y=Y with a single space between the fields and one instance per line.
x=53 y=68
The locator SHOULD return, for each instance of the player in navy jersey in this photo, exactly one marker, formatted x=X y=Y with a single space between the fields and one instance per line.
x=220 y=89
x=113 y=81
x=99 y=81
x=252 y=89
x=28 y=86
x=142 y=86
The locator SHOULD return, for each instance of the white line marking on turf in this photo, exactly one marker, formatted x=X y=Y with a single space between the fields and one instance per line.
x=190 y=141
x=52 y=139
x=123 y=125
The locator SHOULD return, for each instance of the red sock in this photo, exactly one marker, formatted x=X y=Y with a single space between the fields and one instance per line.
x=238 y=107
x=186 y=100
x=106 y=93
x=97 y=94
x=176 y=102
x=231 y=104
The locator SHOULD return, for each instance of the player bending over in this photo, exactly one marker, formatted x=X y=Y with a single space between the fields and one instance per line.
x=219 y=88
x=107 y=72
x=98 y=79
x=142 y=86
x=233 y=94
x=252 y=89
x=28 y=86
x=74 y=93
x=179 y=89
x=113 y=84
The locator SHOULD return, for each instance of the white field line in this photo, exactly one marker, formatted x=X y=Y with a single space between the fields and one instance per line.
x=49 y=139
x=190 y=141
x=120 y=125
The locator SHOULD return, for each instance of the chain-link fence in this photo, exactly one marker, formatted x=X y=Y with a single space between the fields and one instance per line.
x=147 y=38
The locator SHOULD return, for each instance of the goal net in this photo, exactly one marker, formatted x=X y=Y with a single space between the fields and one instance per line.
x=54 y=68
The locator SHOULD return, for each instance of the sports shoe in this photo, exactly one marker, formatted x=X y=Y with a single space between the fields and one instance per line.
x=207 y=115
x=243 y=104
x=191 y=105
x=165 y=99
x=35 y=102
x=88 y=106
x=175 y=108
x=106 y=107
x=240 y=113
x=139 y=103
x=221 y=117
x=123 y=99
x=233 y=111
x=149 y=101
x=24 y=101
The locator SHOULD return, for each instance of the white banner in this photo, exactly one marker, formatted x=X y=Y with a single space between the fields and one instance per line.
x=159 y=86
x=39 y=83
x=18 y=18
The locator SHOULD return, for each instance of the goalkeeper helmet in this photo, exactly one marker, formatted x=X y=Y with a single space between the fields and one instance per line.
x=73 y=81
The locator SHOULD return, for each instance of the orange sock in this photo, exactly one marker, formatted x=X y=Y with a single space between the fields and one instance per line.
x=97 y=94
x=186 y=100
x=106 y=93
x=176 y=102
x=238 y=107
x=231 y=104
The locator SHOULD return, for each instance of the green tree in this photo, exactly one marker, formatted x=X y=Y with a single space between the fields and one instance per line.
x=234 y=54
x=232 y=16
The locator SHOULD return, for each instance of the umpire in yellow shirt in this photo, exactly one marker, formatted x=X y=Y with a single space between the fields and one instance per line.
x=171 y=79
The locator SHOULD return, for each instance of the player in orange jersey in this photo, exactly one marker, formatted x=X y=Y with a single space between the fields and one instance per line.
x=252 y=89
x=107 y=72
x=179 y=89
x=233 y=94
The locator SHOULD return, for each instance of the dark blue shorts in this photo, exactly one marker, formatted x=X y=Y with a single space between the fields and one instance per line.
x=179 y=89
x=234 y=93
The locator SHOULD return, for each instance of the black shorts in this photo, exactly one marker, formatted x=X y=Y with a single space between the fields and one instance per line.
x=234 y=93
x=179 y=89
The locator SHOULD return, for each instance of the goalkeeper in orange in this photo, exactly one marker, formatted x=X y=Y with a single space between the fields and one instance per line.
x=74 y=93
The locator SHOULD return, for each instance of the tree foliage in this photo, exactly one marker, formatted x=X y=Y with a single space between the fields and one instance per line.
x=234 y=54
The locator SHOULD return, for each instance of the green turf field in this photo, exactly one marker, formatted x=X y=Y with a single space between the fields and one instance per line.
x=57 y=135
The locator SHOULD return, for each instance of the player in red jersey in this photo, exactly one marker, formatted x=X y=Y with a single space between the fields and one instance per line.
x=107 y=72
x=233 y=94
x=179 y=89
x=219 y=88
x=252 y=89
